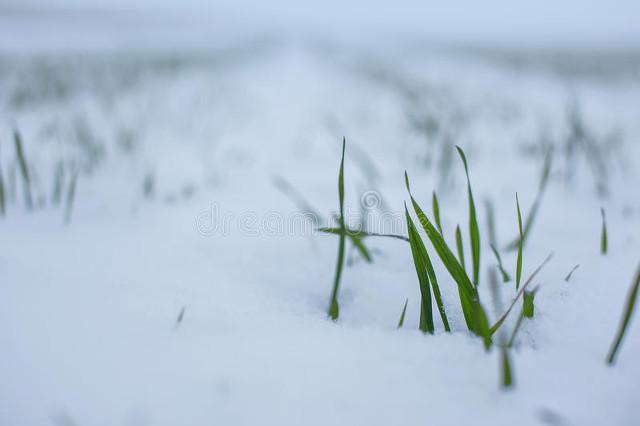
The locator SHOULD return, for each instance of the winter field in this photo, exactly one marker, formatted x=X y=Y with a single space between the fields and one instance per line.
x=162 y=262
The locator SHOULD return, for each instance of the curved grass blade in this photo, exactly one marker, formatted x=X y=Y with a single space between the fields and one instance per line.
x=404 y=311
x=516 y=328
x=519 y=260
x=603 y=234
x=436 y=212
x=361 y=234
x=298 y=199
x=568 y=277
x=418 y=252
x=466 y=290
x=334 y=308
x=504 y=316
x=459 y=247
x=626 y=316
x=474 y=230
x=505 y=275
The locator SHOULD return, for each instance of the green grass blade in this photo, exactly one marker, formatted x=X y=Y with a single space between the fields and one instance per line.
x=505 y=275
x=460 y=247
x=519 y=260
x=298 y=199
x=466 y=290
x=474 y=230
x=514 y=333
x=568 y=277
x=334 y=308
x=418 y=252
x=404 y=311
x=626 y=316
x=436 y=212
x=528 y=225
x=436 y=288
x=603 y=234
x=504 y=316
x=24 y=169
x=528 y=307
x=491 y=222
x=507 y=377
x=361 y=234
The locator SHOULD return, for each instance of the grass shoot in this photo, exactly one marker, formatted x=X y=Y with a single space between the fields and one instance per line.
x=626 y=317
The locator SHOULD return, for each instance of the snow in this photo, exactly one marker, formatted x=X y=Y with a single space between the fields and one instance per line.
x=88 y=310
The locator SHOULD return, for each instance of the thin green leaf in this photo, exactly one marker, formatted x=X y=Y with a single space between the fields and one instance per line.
x=516 y=328
x=519 y=260
x=603 y=235
x=491 y=222
x=334 y=308
x=436 y=212
x=361 y=234
x=568 y=277
x=404 y=311
x=436 y=288
x=507 y=377
x=528 y=307
x=504 y=316
x=460 y=247
x=528 y=225
x=505 y=275
x=474 y=230
x=626 y=316
x=417 y=251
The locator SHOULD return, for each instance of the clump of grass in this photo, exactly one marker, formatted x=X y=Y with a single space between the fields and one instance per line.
x=24 y=169
x=603 y=233
x=626 y=317
x=474 y=314
x=422 y=262
x=404 y=311
x=334 y=308
x=418 y=251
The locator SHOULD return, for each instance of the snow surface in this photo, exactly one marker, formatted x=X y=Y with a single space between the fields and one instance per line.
x=88 y=311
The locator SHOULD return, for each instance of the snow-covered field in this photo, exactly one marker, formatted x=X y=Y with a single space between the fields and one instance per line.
x=188 y=162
